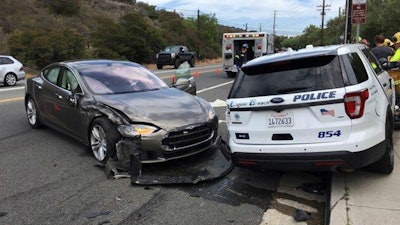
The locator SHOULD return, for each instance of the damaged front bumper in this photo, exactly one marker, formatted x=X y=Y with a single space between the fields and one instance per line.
x=205 y=166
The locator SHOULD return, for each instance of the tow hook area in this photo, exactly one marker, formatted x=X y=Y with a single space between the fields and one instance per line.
x=206 y=166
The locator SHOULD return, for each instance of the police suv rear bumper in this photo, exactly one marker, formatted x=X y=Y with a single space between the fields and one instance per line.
x=321 y=161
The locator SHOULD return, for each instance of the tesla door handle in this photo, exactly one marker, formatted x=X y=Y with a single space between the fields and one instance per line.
x=59 y=96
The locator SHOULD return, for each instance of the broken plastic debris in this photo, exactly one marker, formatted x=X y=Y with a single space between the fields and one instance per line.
x=301 y=215
x=313 y=188
x=104 y=222
x=94 y=214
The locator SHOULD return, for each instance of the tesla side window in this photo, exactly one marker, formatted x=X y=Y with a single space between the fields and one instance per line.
x=69 y=81
x=51 y=74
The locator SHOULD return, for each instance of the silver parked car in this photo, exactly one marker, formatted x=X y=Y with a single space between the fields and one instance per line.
x=107 y=103
x=11 y=70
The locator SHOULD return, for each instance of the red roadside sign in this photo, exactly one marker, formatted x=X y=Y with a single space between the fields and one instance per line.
x=358 y=13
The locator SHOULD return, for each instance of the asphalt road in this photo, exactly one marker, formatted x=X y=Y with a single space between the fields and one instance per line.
x=46 y=178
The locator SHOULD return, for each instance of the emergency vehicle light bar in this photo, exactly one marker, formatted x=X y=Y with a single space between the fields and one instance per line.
x=243 y=35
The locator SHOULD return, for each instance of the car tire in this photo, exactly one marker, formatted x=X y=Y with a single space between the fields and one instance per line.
x=103 y=138
x=385 y=164
x=33 y=114
x=177 y=63
x=231 y=74
x=192 y=62
x=10 y=79
x=159 y=66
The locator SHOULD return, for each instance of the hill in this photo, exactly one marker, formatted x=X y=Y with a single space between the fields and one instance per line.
x=39 y=32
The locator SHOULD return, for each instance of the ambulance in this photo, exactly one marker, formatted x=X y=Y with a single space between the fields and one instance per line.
x=260 y=43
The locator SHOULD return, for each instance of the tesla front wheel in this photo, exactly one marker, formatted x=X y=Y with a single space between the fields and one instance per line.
x=103 y=139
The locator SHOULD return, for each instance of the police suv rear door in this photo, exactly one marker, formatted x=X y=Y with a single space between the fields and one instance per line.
x=292 y=101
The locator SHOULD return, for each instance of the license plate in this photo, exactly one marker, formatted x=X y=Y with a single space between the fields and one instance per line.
x=280 y=119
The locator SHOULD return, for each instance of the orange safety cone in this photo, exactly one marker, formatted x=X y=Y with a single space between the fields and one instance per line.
x=196 y=74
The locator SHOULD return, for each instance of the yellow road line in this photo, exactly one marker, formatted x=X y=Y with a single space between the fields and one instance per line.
x=11 y=99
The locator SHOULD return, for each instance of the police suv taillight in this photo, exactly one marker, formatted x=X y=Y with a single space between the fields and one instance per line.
x=354 y=103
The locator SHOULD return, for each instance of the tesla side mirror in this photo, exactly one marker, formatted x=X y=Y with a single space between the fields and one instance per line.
x=74 y=98
x=185 y=84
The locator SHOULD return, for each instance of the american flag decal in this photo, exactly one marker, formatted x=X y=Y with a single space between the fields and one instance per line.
x=325 y=112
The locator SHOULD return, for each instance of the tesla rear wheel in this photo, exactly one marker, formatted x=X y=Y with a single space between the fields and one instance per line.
x=32 y=114
x=103 y=139
x=10 y=79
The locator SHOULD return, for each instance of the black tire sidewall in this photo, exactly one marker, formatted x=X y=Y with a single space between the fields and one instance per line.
x=5 y=79
x=112 y=137
x=38 y=121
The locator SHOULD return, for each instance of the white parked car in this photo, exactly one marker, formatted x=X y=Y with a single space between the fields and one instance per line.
x=11 y=70
x=319 y=108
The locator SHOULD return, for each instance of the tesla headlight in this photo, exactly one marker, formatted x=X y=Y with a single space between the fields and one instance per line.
x=134 y=130
x=211 y=113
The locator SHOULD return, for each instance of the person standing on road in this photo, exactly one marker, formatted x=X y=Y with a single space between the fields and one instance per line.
x=241 y=57
x=380 y=50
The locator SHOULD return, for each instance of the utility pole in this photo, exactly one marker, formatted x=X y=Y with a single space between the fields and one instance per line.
x=347 y=29
x=324 y=8
x=273 y=26
x=198 y=34
x=273 y=32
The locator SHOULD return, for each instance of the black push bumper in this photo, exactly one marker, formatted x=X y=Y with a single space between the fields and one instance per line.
x=329 y=161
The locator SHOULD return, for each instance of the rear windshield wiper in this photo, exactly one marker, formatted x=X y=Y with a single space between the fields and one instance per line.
x=291 y=90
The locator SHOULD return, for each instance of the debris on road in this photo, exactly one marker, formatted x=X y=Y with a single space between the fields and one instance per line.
x=301 y=215
x=94 y=214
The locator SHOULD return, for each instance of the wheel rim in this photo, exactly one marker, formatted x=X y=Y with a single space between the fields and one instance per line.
x=31 y=112
x=10 y=79
x=98 y=142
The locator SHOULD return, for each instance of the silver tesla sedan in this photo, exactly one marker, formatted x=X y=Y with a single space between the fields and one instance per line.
x=108 y=103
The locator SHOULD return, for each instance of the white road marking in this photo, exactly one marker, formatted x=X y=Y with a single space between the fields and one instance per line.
x=213 y=87
x=11 y=89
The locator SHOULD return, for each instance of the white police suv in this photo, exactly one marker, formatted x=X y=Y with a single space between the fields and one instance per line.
x=318 y=108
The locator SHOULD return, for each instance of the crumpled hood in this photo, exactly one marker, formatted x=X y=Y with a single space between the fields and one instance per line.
x=166 y=108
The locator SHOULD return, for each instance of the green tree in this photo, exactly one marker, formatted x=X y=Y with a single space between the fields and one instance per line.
x=40 y=48
x=132 y=38
x=205 y=35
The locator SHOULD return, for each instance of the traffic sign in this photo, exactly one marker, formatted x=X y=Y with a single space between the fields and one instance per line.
x=358 y=13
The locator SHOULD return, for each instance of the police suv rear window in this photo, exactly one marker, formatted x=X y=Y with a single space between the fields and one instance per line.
x=354 y=68
x=291 y=76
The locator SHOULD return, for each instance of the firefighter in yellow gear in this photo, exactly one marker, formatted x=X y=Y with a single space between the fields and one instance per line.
x=394 y=72
x=396 y=46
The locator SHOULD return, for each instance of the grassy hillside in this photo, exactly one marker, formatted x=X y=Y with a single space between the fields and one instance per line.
x=103 y=26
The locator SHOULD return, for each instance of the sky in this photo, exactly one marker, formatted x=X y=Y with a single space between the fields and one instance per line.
x=291 y=16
